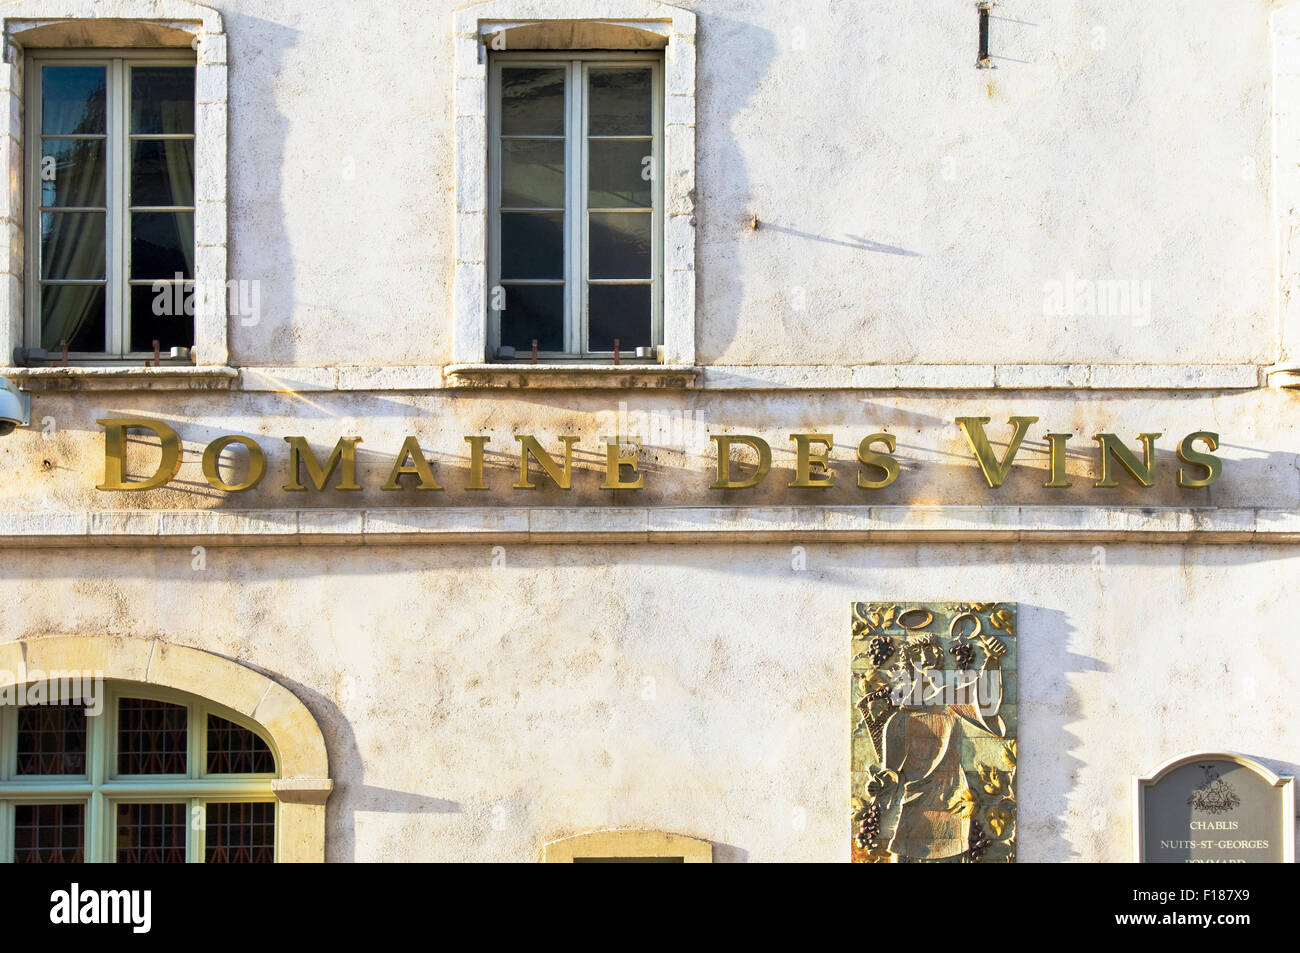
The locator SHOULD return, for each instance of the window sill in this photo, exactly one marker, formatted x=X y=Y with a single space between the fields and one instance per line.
x=571 y=376
x=85 y=378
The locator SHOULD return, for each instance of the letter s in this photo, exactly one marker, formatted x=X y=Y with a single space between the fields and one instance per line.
x=881 y=461
x=1187 y=453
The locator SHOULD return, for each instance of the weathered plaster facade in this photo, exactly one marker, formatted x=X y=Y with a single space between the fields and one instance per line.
x=881 y=238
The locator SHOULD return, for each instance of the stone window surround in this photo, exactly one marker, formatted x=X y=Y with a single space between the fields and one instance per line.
x=628 y=844
x=135 y=24
x=472 y=27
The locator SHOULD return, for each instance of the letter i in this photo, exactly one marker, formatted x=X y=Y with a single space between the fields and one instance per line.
x=1056 y=460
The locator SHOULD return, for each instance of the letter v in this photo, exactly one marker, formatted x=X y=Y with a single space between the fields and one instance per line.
x=994 y=472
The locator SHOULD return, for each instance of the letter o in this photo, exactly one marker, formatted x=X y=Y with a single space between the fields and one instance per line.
x=256 y=463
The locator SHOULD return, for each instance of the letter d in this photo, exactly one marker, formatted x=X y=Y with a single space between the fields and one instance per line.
x=759 y=446
x=115 y=429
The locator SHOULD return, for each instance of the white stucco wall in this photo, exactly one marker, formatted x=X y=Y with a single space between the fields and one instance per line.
x=911 y=207
x=473 y=713
x=912 y=213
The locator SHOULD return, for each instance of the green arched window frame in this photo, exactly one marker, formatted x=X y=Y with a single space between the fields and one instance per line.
x=102 y=789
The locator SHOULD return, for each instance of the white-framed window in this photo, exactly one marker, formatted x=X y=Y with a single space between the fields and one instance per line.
x=490 y=36
x=575 y=226
x=111 y=203
x=144 y=775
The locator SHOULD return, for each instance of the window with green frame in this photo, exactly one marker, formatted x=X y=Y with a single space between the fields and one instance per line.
x=147 y=776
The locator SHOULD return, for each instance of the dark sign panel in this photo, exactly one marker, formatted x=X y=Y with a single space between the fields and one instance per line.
x=1215 y=809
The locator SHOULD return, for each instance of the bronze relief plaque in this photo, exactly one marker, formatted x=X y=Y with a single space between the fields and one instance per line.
x=933 y=761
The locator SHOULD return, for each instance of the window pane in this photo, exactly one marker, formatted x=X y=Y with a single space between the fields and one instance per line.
x=72 y=313
x=52 y=739
x=533 y=311
x=162 y=99
x=162 y=244
x=151 y=833
x=532 y=173
x=233 y=749
x=620 y=174
x=160 y=316
x=620 y=244
x=240 y=833
x=151 y=737
x=72 y=172
x=532 y=102
x=49 y=833
x=162 y=172
x=618 y=311
x=72 y=245
x=532 y=245
x=72 y=100
x=620 y=102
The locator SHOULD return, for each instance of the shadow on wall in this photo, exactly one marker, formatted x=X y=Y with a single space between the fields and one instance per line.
x=849 y=241
x=259 y=248
x=733 y=58
x=729 y=853
x=742 y=55
x=352 y=797
x=1047 y=707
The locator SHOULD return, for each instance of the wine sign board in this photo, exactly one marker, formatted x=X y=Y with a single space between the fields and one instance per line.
x=1214 y=808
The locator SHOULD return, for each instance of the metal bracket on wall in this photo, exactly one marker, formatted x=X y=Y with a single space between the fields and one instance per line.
x=983 y=61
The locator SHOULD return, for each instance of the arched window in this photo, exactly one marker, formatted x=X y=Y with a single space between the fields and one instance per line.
x=628 y=846
x=132 y=773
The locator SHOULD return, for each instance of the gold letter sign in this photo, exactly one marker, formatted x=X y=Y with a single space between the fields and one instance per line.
x=934 y=732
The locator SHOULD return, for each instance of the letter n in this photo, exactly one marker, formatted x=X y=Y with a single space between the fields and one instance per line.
x=1113 y=448
x=529 y=447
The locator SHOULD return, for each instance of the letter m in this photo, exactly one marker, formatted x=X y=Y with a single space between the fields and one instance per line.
x=115 y=906
x=345 y=453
